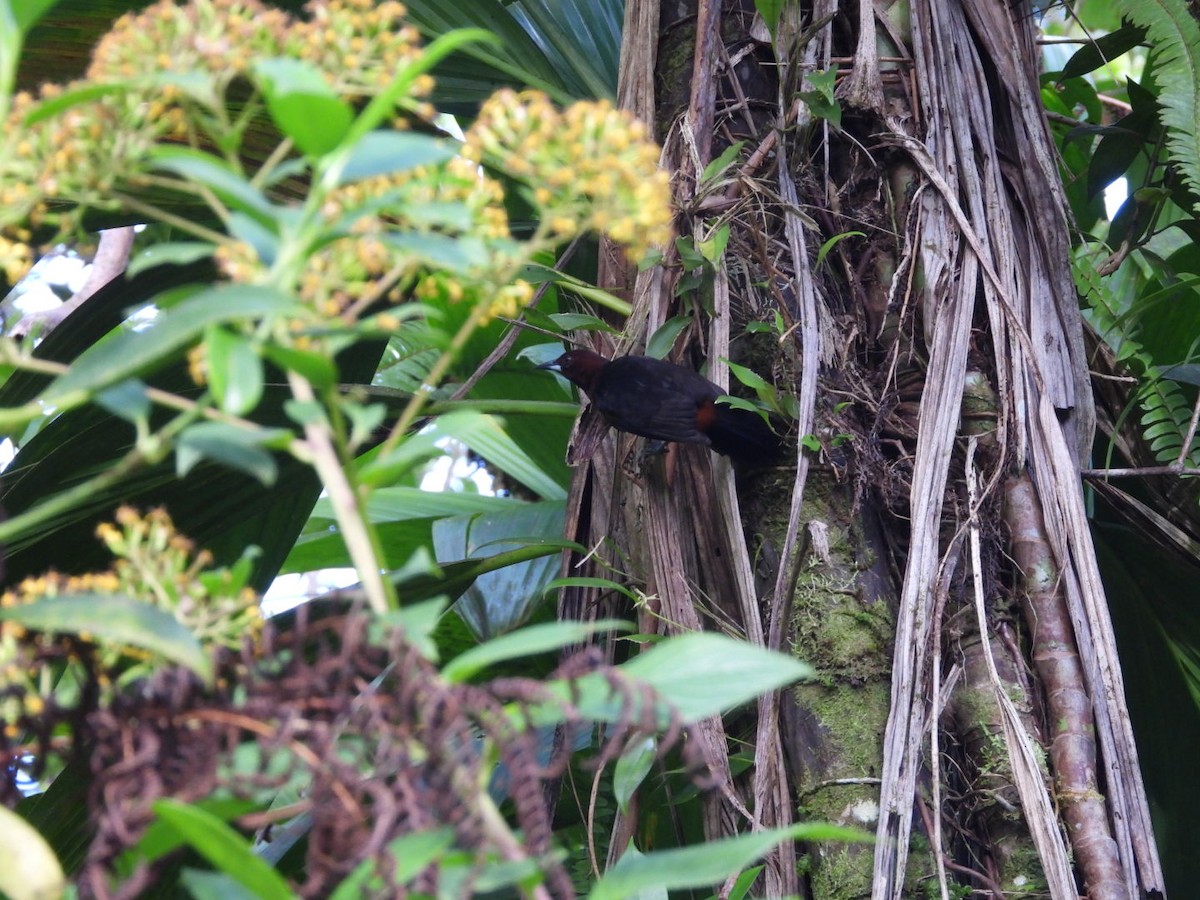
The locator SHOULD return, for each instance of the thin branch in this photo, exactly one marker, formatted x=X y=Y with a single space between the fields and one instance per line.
x=1140 y=471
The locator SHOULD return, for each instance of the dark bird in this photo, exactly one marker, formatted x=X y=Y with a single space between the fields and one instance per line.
x=666 y=402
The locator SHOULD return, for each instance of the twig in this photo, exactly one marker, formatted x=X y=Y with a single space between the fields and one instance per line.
x=112 y=256
x=510 y=337
x=350 y=515
x=1140 y=471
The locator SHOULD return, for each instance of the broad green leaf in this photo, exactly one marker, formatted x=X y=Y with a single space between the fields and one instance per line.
x=304 y=106
x=215 y=174
x=504 y=598
x=632 y=767
x=29 y=870
x=698 y=674
x=385 y=152
x=749 y=378
x=161 y=839
x=488 y=438
x=131 y=353
x=713 y=247
x=663 y=339
x=27 y=12
x=745 y=881
x=526 y=642
x=703 y=673
x=1102 y=51
x=580 y=322
x=116 y=619
x=60 y=815
x=316 y=368
x=261 y=237
x=456 y=254
x=235 y=370
x=238 y=448
x=717 y=167
x=707 y=863
x=126 y=400
x=227 y=850
x=178 y=253
x=770 y=11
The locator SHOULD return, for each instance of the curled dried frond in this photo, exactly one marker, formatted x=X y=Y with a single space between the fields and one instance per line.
x=383 y=745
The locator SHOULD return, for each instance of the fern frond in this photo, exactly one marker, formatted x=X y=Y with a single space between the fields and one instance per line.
x=1175 y=35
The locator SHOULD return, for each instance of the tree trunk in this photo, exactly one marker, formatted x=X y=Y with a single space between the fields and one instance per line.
x=897 y=228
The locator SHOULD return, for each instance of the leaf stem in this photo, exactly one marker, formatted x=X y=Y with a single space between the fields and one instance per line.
x=349 y=512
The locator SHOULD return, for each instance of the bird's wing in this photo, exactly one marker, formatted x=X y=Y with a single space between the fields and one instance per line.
x=655 y=401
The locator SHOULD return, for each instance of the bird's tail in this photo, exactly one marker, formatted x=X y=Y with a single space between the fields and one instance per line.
x=744 y=437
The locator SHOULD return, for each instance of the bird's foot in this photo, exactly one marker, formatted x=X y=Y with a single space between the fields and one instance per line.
x=653 y=448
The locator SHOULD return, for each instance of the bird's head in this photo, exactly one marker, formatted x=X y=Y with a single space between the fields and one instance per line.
x=580 y=367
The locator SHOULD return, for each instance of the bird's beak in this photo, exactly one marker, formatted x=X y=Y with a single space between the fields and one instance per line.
x=553 y=366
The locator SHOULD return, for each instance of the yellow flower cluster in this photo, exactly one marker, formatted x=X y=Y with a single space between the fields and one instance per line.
x=388 y=217
x=77 y=155
x=503 y=300
x=154 y=564
x=359 y=45
x=172 y=63
x=16 y=258
x=220 y=37
x=159 y=565
x=589 y=167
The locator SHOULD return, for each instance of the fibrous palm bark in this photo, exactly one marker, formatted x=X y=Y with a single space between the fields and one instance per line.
x=936 y=357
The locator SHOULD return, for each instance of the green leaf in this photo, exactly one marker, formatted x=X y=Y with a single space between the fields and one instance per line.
x=129 y=354
x=487 y=438
x=1116 y=152
x=525 y=642
x=230 y=445
x=227 y=850
x=821 y=101
x=632 y=767
x=126 y=400
x=717 y=167
x=316 y=368
x=29 y=870
x=713 y=248
x=770 y=11
x=1102 y=51
x=603 y=584
x=303 y=104
x=177 y=253
x=68 y=99
x=580 y=322
x=384 y=152
x=704 y=864
x=216 y=175
x=116 y=619
x=833 y=242
x=704 y=673
x=27 y=13
x=663 y=339
x=235 y=370
x=456 y=254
